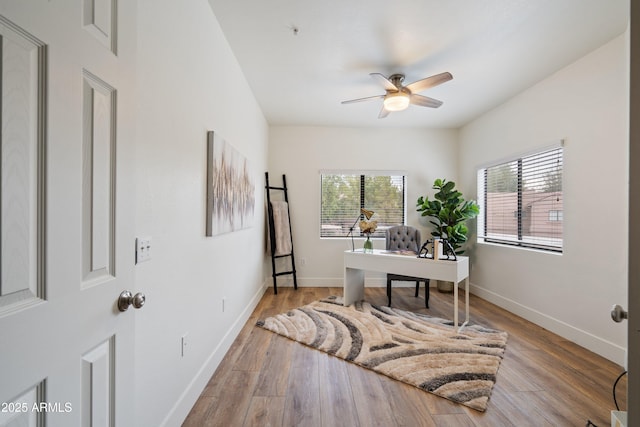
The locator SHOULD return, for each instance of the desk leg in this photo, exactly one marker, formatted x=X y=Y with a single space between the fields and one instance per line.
x=455 y=304
x=466 y=309
x=353 y=286
x=466 y=305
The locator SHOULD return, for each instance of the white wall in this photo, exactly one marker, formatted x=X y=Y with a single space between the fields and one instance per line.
x=302 y=152
x=189 y=82
x=586 y=104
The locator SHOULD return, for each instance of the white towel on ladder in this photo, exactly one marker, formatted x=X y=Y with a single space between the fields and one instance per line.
x=281 y=228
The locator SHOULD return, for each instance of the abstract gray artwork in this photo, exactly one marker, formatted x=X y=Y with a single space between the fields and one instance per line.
x=230 y=188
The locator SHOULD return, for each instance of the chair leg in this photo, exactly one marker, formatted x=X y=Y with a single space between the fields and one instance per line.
x=417 y=287
x=426 y=293
x=389 y=291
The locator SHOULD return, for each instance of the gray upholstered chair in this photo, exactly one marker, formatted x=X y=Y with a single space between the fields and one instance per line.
x=405 y=238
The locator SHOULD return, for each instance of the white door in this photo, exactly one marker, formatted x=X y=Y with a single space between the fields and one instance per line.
x=67 y=74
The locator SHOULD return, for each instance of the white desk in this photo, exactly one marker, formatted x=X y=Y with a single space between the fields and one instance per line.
x=357 y=262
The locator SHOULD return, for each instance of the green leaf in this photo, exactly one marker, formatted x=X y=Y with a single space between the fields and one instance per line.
x=448 y=186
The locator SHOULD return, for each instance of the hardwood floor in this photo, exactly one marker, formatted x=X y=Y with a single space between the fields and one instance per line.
x=268 y=380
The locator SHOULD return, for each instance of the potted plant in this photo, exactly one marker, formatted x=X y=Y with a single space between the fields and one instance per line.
x=449 y=212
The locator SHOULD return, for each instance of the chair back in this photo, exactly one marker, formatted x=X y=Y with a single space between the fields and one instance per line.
x=403 y=238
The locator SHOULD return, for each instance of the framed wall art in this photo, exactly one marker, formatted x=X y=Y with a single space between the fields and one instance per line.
x=230 y=188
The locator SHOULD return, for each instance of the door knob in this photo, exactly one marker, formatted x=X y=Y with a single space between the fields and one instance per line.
x=127 y=298
x=618 y=314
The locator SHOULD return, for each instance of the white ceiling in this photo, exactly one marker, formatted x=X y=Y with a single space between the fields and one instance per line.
x=494 y=49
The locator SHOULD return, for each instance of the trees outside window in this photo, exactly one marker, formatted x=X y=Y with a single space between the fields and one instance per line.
x=344 y=194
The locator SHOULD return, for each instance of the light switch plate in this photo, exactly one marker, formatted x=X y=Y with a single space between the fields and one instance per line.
x=143 y=249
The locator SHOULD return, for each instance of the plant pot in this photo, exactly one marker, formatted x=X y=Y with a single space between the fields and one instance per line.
x=443 y=286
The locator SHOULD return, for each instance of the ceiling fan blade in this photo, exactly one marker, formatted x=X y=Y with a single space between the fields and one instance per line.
x=368 y=98
x=432 y=81
x=425 y=101
x=383 y=113
x=385 y=82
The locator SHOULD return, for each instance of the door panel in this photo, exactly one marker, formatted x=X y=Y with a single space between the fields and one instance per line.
x=22 y=78
x=98 y=177
x=67 y=253
x=98 y=378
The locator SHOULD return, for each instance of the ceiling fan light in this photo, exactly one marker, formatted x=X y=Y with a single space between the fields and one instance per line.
x=396 y=101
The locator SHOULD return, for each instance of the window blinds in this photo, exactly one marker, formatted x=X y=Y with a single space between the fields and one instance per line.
x=522 y=201
x=343 y=195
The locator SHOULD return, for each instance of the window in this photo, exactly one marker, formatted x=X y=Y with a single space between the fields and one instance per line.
x=555 y=215
x=521 y=201
x=344 y=194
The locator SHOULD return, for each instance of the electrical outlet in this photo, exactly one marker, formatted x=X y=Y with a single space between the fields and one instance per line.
x=618 y=418
x=183 y=345
x=303 y=262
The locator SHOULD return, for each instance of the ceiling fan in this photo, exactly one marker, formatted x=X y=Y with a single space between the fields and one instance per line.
x=398 y=97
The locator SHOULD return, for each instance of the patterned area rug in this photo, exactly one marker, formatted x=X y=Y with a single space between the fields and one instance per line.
x=417 y=349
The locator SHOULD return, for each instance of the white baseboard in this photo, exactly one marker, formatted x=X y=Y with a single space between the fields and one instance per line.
x=604 y=348
x=181 y=409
